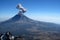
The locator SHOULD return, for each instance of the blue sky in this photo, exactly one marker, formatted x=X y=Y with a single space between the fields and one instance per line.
x=41 y=10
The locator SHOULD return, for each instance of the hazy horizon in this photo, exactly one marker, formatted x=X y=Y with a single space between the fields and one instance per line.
x=40 y=10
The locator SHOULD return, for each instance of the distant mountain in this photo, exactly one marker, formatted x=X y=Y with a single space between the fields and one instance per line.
x=22 y=25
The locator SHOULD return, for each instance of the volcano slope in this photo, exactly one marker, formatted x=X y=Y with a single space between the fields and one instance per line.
x=30 y=29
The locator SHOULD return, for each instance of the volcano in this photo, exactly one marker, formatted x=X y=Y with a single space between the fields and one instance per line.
x=22 y=25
